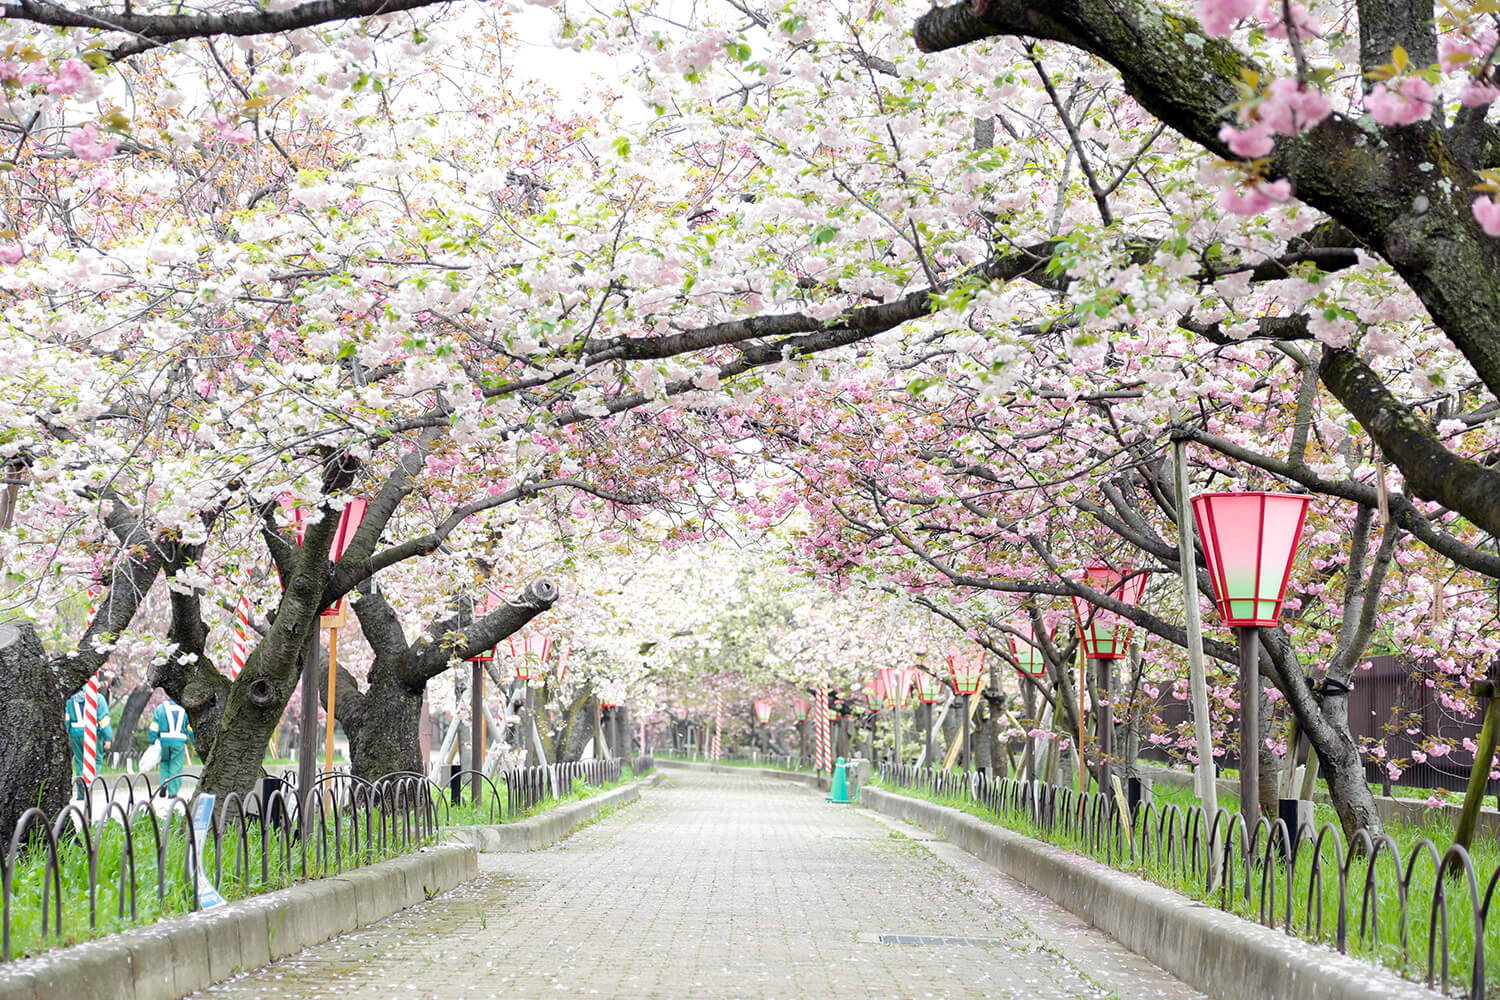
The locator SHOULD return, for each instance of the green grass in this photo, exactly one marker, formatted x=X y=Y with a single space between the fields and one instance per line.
x=1399 y=944
x=488 y=811
x=236 y=875
x=160 y=886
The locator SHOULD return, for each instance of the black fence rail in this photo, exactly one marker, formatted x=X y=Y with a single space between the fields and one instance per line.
x=135 y=852
x=123 y=854
x=1425 y=912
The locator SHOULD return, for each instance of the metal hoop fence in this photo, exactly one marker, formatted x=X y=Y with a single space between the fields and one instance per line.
x=1424 y=913
x=93 y=868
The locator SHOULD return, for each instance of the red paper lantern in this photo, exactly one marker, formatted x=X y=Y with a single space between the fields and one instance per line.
x=897 y=685
x=799 y=709
x=349 y=521
x=967 y=671
x=762 y=708
x=531 y=647
x=1105 y=634
x=929 y=687
x=485 y=607
x=1028 y=655
x=1250 y=541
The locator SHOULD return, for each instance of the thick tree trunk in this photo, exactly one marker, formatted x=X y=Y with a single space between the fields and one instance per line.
x=234 y=758
x=983 y=738
x=130 y=720
x=1270 y=764
x=387 y=736
x=35 y=758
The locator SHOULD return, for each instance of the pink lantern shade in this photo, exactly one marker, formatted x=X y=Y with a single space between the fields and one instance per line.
x=1105 y=635
x=485 y=607
x=349 y=521
x=929 y=687
x=1028 y=656
x=762 y=708
x=966 y=670
x=897 y=682
x=1250 y=541
x=531 y=646
x=799 y=709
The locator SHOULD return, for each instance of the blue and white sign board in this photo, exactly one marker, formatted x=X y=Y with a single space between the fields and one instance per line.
x=203 y=816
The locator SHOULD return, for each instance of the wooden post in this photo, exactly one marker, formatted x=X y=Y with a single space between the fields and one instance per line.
x=927 y=757
x=1083 y=774
x=1104 y=722
x=1206 y=778
x=1484 y=757
x=476 y=731
x=1208 y=789
x=896 y=719
x=308 y=738
x=1249 y=727
x=333 y=669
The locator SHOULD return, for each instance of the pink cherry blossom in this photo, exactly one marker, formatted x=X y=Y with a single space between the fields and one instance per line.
x=1255 y=198
x=1271 y=12
x=1409 y=102
x=11 y=254
x=1478 y=94
x=88 y=144
x=1290 y=108
x=1487 y=212
x=1250 y=142
x=1218 y=16
x=71 y=77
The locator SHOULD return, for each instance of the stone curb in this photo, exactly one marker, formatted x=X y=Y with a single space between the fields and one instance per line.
x=1221 y=954
x=179 y=955
x=538 y=832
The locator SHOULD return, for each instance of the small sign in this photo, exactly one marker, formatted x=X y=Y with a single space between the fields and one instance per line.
x=203 y=815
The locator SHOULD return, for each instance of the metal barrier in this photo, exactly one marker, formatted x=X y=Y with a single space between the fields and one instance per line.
x=257 y=842
x=1263 y=874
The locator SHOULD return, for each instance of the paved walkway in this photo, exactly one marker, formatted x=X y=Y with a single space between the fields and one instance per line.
x=725 y=886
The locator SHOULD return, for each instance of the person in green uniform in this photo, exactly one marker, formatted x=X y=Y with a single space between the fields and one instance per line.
x=169 y=727
x=74 y=715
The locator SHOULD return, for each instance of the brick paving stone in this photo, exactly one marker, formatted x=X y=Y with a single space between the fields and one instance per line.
x=725 y=886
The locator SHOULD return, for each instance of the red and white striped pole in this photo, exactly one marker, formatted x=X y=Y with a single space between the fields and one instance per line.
x=240 y=651
x=714 y=747
x=91 y=711
x=821 y=732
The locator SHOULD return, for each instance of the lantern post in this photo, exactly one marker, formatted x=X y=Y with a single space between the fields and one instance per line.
x=929 y=689
x=1249 y=542
x=763 y=708
x=799 y=713
x=476 y=711
x=1105 y=638
x=897 y=685
x=876 y=702
x=331 y=618
x=1031 y=662
x=967 y=673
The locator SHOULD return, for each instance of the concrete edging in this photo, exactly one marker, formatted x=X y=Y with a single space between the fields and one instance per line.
x=538 y=832
x=179 y=955
x=1222 y=954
